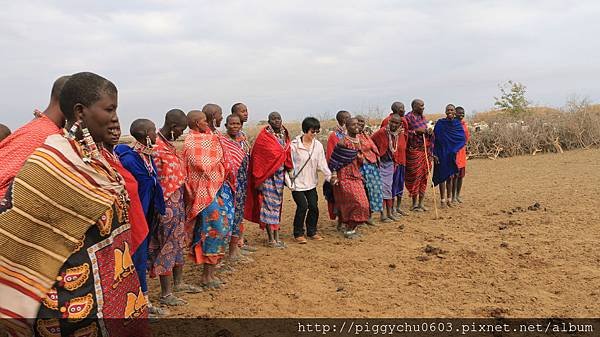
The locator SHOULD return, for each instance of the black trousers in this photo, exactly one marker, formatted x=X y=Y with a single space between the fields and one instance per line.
x=306 y=209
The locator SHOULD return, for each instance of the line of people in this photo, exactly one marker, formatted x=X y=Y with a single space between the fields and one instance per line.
x=83 y=219
x=366 y=173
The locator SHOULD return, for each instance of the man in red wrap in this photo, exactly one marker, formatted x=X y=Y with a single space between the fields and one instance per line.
x=15 y=148
x=269 y=159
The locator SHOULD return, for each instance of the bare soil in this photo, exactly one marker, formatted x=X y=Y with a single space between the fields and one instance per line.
x=523 y=244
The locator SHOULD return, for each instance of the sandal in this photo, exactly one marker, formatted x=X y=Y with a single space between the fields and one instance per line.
x=280 y=244
x=156 y=312
x=171 y=300
x=248 y=248
x=186 y=288
x=386 y=220
x=214 y=284
x=416 y=209
x=401 y=212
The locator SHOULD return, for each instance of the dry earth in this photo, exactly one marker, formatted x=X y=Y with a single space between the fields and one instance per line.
x=495 y=257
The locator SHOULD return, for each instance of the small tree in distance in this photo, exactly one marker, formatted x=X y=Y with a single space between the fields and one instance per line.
x=512 y=99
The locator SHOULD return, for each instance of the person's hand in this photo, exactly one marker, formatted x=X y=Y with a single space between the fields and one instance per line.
x=333 y=180
x=436 y=159
x=420 y=131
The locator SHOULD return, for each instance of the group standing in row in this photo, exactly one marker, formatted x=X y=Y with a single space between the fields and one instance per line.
x=83 y=219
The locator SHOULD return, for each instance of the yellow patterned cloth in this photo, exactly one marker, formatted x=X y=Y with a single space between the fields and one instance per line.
x=61 y=225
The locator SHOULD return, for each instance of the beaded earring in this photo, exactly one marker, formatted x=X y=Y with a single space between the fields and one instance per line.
x=172 y=135
x=90 y=148
x=73 y=130
x=148 y=142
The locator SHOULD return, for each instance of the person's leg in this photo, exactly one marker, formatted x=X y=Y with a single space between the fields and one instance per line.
x=301 y=201
x=415 y=203
x=386 y=213
x=166 y=285
x=390 y=210
x=449 y=191
x=459 y=183
x=442 y=187
x=313 y=212
x=421 y=205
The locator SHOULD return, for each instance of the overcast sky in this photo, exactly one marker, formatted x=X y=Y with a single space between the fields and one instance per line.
x=300 y=58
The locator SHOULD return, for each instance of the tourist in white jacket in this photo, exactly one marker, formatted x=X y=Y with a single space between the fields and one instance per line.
x=308 y=157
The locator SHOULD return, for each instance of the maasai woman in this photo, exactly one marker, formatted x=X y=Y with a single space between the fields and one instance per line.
x=269 y=159
x=233 y=156
x=233 y=125
x=370 y=170
x=349 y=193
x=241 y=110
x=206 y=220
x=137 y=219
x=70 y=265
x=167 y=244
x=387 y=140
x=334 y=137
x=138 y=160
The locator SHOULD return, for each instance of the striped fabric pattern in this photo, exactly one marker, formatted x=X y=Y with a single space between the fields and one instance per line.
x=55 y=199
x=272 y=192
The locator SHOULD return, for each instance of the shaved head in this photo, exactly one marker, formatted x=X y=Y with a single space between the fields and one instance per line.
x=139 y=129
x=398 y=108
x=57 y=88
x=415 y=102
x=274 y=114
x=342 y=116
x=418 y=106
x=214 y=115
x=175 y=116
x=194 y=118
x=4 y=132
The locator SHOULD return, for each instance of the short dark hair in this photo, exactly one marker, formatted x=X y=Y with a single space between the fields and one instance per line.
x=339 y=115
x=459 y=108
x=233 y=115
x=139 y=128
x=83 y=88
x=57 y=87
x=235 y=107
x=310 y=123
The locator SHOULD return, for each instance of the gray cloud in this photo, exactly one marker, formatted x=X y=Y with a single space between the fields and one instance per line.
x=298 y=57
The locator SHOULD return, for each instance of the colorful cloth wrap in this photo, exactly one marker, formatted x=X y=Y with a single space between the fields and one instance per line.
x=73 y=260
x=269 y=156
x=449 y=139
x=206 y=223
x=350 y=196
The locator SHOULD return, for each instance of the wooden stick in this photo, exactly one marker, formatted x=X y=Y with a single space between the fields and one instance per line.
x=429 y=177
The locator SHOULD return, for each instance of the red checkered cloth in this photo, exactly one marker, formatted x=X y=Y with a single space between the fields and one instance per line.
x=203 y=158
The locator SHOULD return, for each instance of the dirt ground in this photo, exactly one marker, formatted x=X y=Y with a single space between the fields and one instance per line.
x=496 y=257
